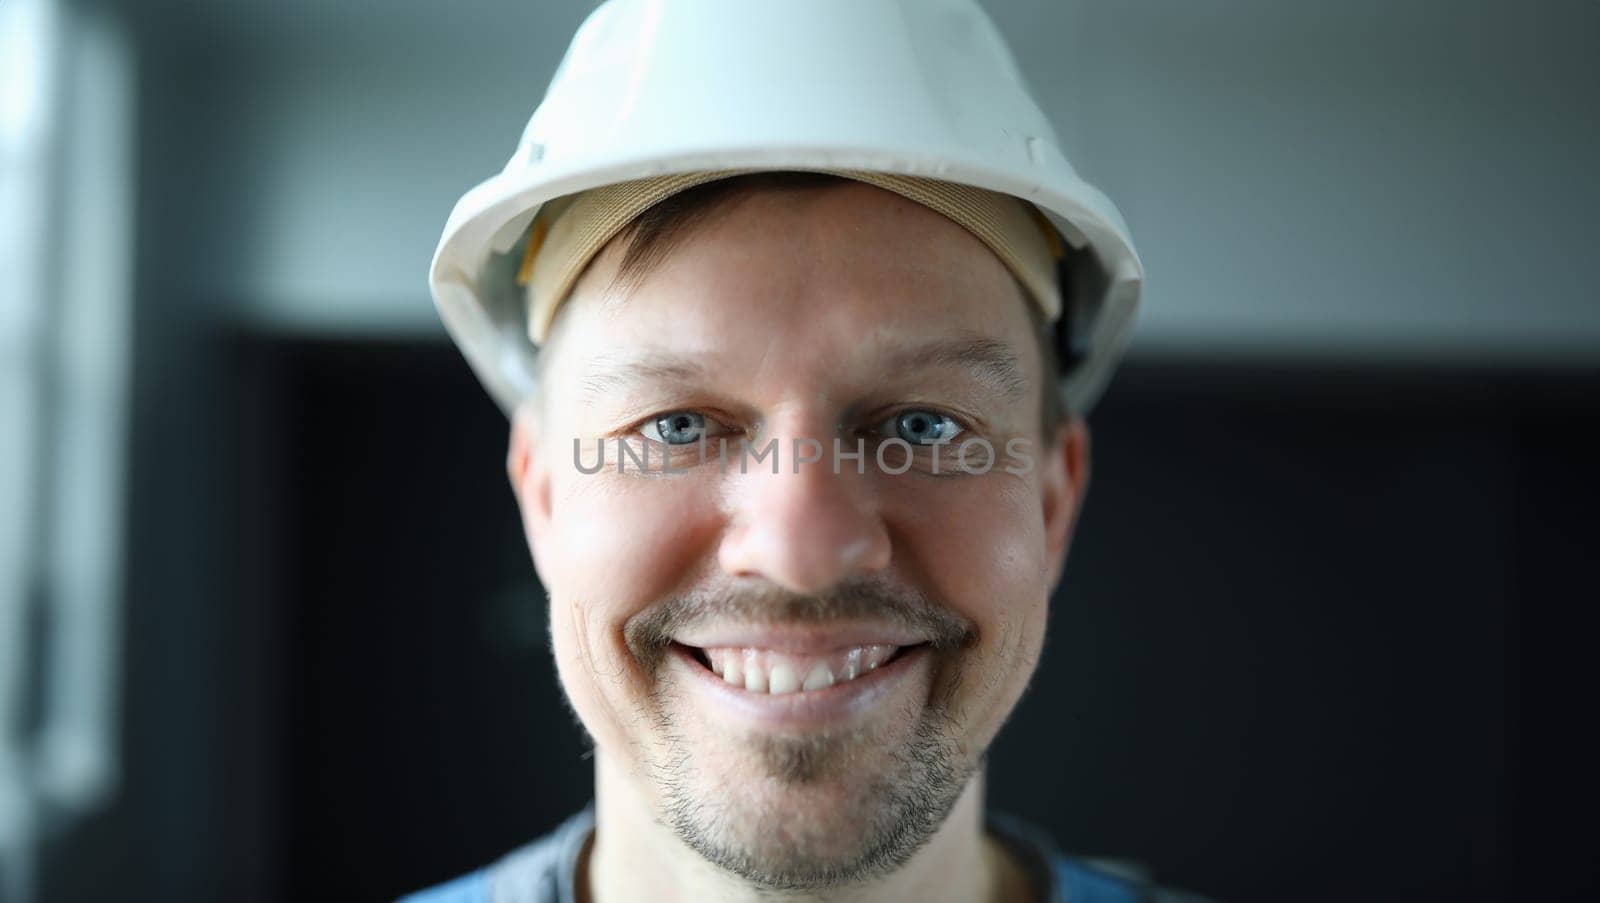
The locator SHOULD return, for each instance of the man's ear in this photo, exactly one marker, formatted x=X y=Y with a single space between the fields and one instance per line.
x=1063 y=480
x=529 y=474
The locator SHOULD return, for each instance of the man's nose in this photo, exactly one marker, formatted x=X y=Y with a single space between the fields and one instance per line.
x=805 y=530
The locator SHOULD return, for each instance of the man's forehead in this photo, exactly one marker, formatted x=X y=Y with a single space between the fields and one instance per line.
x=861 y=286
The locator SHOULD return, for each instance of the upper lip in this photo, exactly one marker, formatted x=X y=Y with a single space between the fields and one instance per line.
x=797 y=639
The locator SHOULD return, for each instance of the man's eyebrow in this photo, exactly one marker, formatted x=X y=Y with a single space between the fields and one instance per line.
x=990 y=360
x=612 y=372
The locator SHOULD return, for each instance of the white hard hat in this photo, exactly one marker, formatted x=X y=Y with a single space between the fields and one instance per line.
x=921 y=88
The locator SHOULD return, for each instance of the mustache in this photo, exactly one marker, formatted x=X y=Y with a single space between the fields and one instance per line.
x=649 y=633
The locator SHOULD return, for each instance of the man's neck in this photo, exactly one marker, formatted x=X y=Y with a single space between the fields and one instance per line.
x=634 y=858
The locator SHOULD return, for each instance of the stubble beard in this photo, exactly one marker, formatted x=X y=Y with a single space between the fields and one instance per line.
x=893 y=813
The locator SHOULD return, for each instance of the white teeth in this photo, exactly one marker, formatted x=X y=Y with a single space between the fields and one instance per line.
x=755 y=676
x=776 y=673
x=852 y=663
x=820 y=678
x=783 y=680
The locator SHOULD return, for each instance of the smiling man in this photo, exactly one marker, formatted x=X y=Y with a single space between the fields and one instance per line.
x=796 y=310
x=795 y=674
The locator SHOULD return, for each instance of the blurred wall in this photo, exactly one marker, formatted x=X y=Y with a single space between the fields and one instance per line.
x=1345 y=178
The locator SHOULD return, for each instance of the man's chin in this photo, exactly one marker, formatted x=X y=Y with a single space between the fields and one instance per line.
x=794 y=844
x=814 y=811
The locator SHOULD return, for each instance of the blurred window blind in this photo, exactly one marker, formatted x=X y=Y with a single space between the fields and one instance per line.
x=66 y=100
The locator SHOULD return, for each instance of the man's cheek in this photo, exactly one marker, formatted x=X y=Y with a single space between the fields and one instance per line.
x=985 y=555
x=629 y=538
x=988 y=564
x=597 y=682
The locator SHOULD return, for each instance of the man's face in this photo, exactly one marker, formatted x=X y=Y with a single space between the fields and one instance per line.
x=681 y=602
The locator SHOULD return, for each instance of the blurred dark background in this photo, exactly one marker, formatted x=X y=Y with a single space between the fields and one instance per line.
x=268 y=629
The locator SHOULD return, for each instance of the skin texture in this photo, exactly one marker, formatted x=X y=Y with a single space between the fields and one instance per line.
x=787 y=314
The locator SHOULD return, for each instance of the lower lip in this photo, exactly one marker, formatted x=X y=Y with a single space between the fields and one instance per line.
x=839 y=703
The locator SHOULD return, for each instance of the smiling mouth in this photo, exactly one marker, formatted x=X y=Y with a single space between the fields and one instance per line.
x=775 y=673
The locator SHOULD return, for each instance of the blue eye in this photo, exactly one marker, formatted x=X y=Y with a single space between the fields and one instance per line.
x=918 y=426
x=676 y=428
